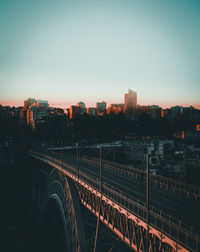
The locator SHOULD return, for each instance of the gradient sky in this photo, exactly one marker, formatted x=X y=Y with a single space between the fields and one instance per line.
x=69 y=51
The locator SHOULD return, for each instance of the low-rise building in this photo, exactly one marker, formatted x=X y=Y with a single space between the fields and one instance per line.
x=101 y=107
x=82 y=107
x=74 y=111
x=92 y=111
x=116 y=108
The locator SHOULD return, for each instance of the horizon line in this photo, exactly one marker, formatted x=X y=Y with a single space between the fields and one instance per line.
x=65 y=105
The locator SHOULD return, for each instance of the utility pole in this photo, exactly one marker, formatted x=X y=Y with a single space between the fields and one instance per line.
x=100 y=189
x=52 y=152
x=77 y=159
x=61 y=152
x=100 y=171
x=147 y=200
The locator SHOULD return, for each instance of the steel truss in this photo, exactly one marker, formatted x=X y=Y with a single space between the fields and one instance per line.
x=63 y=190
x=128 y=227
x=122 y=215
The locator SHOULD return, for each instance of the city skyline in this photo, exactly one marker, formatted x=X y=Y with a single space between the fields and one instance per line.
x=66 y=105
x=66 y=52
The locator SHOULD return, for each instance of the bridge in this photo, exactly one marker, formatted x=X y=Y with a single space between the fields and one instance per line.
x=117 y=198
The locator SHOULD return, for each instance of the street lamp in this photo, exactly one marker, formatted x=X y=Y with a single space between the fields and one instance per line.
x=147 y=198
x=100 y=189
x=77 y=159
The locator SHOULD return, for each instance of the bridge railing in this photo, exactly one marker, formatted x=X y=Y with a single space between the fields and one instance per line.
x=158 y=221
x=182 y=188
x=166 y=183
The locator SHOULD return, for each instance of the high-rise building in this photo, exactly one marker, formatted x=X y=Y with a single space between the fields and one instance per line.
x=33 y=114
x=130 y=102
x=74 y=111
x=35 y=110
x=43 y=105
x=28 y=102
x=92 y=111
x=101 y=107
x=82 y=107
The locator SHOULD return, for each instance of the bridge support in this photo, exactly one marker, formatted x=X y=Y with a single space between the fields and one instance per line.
x=129 y=228
x=122 y=220
x=57 y=211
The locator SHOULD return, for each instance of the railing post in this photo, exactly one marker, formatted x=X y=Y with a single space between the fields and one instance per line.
x=192 y=228
x=133 y=208
x=178 y=230
x=161 y=220
x=196 y=243
x=144 y=209
x=138 y=202
x=187 y=239
x=170 y=221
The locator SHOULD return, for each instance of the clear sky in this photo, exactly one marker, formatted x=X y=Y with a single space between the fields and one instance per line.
x=69 y=51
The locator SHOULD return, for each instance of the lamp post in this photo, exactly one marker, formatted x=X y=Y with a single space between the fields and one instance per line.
x=100 y=189
x=147 y=199
x=77 y=159
x=61 y=152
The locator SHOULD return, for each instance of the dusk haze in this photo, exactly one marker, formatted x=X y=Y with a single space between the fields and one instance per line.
x=66 y=51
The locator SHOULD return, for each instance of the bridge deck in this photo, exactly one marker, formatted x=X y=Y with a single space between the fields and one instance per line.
x=129 y=193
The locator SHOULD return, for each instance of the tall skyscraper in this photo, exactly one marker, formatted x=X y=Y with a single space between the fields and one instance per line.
x=130 y=102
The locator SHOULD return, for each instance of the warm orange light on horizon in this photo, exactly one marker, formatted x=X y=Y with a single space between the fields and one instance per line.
x=12 y=103
x=61 y=104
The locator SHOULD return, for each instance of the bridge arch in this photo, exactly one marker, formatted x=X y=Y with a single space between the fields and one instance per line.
x=60 y=226
x=53 y=235
x=114 y=214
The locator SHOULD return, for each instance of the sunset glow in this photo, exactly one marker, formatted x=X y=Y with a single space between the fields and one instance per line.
x=67 y=52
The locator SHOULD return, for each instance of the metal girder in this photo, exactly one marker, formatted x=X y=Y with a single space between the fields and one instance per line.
x=62 y=190
x=131 y=230
x=126 y=224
